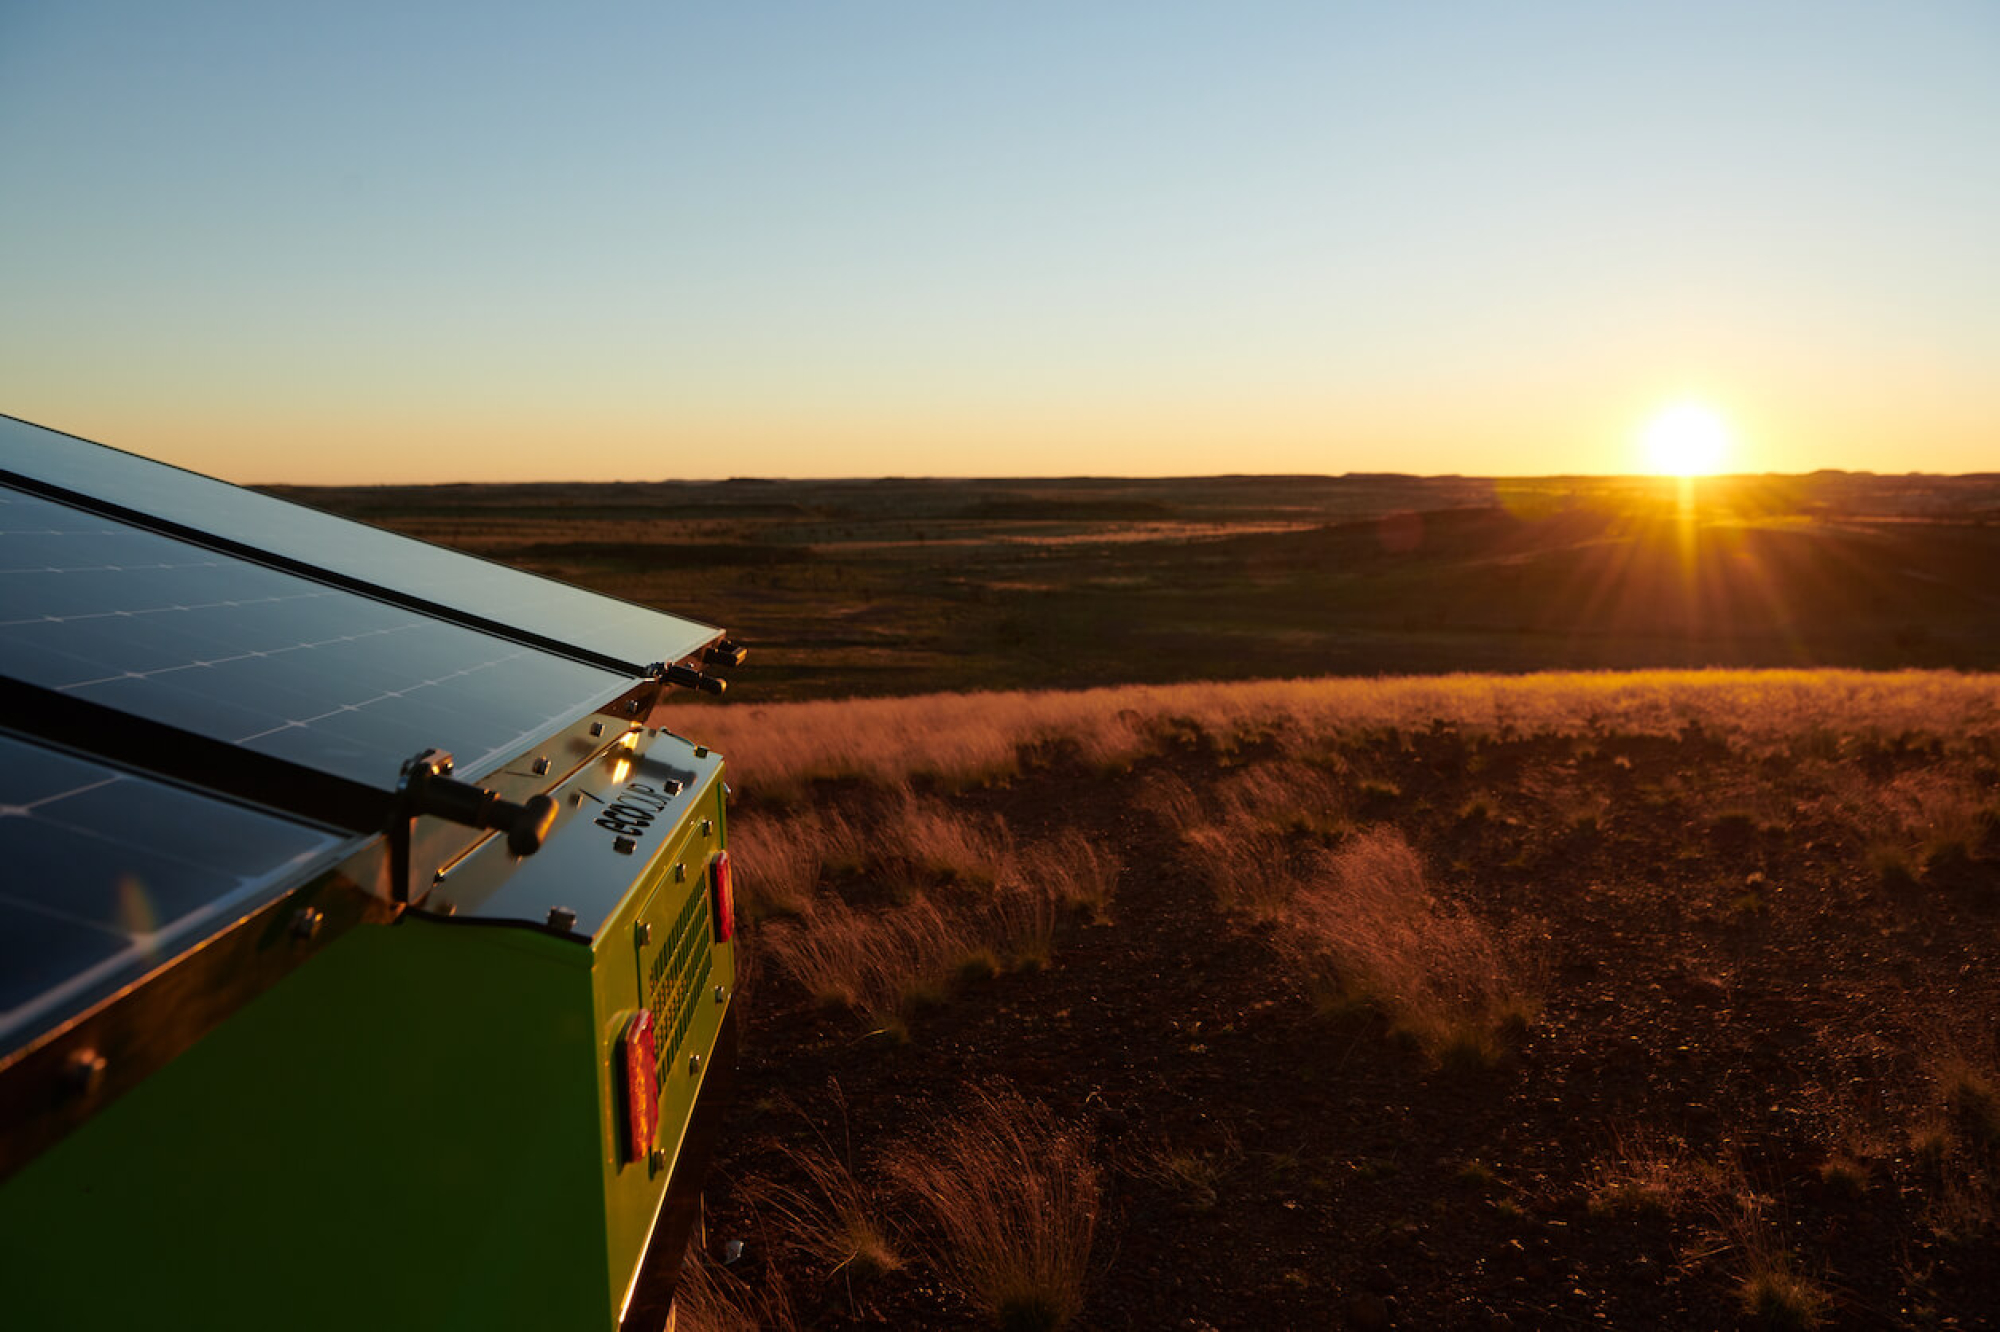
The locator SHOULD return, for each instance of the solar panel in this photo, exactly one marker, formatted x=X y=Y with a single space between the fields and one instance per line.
x=109 y=873
x=597 y=624
x=104 y=611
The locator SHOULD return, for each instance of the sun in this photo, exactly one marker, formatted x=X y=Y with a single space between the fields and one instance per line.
x=1685 y=439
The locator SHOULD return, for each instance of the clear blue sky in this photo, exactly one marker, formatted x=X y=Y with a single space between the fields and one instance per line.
x=379 y=242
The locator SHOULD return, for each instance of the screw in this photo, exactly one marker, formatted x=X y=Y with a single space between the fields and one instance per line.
x=644 y=932
x=84 y=1072
x=307 y=920
x=540 y=767
x=562 y=918
x=624 y=845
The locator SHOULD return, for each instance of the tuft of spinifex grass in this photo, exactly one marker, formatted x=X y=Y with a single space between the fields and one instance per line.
x=1369 y=934
x=1011 y=1195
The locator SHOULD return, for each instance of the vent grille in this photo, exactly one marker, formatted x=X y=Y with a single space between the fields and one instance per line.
x=676 y=979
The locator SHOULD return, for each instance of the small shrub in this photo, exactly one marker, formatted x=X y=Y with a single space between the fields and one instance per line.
x=1893 y=867
x=1011 y=1192
x=1366 y=930
x=1191 y=1174
x=882 y=964
x=1733 y=830
x=1080 y=872
x=1649 y=1177
x=1971 y=1102
x=1844 y=1176
x=1778 y=1297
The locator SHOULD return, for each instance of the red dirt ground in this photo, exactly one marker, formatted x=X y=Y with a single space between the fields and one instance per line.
x=1741 y=993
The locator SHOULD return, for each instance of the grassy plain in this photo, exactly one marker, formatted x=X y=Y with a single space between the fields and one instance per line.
x=912 y=586
x=1190 y=997
x=1663 y=999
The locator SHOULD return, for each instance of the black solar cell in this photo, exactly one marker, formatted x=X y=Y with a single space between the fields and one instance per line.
x=160 y=628
x=602 y=625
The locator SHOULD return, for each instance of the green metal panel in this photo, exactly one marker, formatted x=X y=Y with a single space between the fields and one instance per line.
x=400 y=1133
x=677 y=972
x=421 y=1125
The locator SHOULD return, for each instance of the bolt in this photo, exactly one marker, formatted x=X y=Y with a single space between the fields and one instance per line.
x=562 y=918
x=644 y=932
x=540 y=767
x=694 y=1063
x=722 y=994
x=307 y=920
x=624 y=845
x=597 y=728
x=656 y=1160
x=84 y=1072
x=707 y=827
x=632 y=705
x=443 y=907
x=680 y=873
x=701 y=751
x=672 y=786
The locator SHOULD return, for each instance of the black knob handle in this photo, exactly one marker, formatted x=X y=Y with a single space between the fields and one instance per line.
x=532 y=820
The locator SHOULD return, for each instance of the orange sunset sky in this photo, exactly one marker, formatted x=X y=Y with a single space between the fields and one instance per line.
x=379 y=242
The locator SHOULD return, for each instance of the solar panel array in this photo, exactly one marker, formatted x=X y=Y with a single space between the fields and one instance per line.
x=146 y=624
x=552 y=610
x=232 y=617
x=107 y=871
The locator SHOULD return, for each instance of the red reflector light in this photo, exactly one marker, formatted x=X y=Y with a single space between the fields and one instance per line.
x=721 y=898
x=639 y=1057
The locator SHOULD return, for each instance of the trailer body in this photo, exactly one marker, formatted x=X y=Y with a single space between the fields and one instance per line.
x=368 y=934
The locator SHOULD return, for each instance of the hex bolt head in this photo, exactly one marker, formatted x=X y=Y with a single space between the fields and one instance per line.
x=306 y=922
x=694 y=1063
x=540 y=767
x=707 y=827
x=624 y=845
x=84 y=1072
x=562 y=918
x=722 y=994
x=680 y=873
x=656 y=1159
x=596 y=728
x=643 y=932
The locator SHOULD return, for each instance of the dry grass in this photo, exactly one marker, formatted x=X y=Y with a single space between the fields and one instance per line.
x=1369 y=932
x=1645 y=1175
x=884 y=965
x=1011 y=1194
x=711 y=1298
x=777 y=750
x=1079 y=872
x=1191 y=1174
x=830 y=1218
x=1773 y=1290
